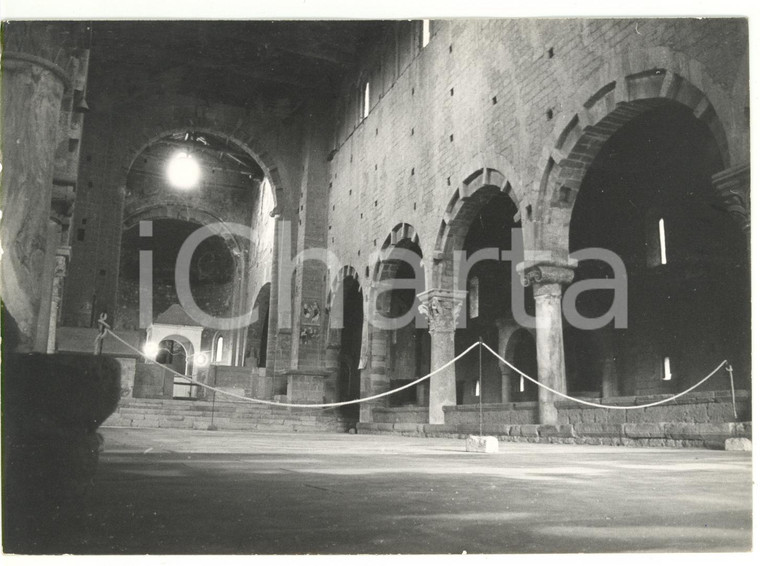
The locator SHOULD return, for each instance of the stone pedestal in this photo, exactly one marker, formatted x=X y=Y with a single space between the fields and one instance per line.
x=441 y=307
x=547 y=281
x=482 y=444
x=306 y=386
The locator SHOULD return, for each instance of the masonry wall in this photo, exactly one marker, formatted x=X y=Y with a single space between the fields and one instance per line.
x=497 y=94
x=400 y=164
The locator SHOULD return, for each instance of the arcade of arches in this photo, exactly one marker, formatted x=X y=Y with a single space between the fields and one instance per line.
x=442 y=206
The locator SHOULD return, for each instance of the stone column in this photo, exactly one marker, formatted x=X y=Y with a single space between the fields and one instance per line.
x=547 y=281
x=441 y=308
x=374 y=377
x=61 y=265
x=732 y=186
x=274 y=306
x=332 y=365
x=32 y=92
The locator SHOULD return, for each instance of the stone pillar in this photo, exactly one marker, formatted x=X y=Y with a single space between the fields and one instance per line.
x=61 y=265
x=732 y=186
x=332 y=366
x=280 y=225
x=374 y=377
x=32 y=92
x=441 y=307
x=41 y=339
x=547 y=281
x=506 y=378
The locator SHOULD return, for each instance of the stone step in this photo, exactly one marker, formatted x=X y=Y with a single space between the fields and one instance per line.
x=171 y=413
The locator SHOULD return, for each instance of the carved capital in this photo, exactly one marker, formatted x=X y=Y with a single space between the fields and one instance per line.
x=441 y=308
x=546 y=274
x=732 y=186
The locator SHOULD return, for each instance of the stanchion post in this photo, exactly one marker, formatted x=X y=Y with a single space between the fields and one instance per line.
x=480 y=382
x=730 y=371
x=213 y=403
x=102 y=329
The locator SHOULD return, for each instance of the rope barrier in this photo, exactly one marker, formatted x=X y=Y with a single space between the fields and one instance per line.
x=480 y=343
x=297 y=405
x=599 y=405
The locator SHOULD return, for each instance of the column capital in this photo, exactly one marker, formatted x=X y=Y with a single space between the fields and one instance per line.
x=732 y=186
x=547 y=273
x=441 y=307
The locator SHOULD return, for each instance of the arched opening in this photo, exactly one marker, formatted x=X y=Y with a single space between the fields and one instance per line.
x=489 y=300
x=648 y=197
x=520 y=352
x=176 y=353
x=350 y=339
x=408 y=340
x=212 y=271
x=258 y=331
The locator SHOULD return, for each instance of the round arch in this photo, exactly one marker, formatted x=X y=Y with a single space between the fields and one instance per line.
x=478 y=187
x=194 y=215
x=612 y=98
x=146 y=137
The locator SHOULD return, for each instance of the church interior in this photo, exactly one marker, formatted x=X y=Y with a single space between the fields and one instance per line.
x=397 y=222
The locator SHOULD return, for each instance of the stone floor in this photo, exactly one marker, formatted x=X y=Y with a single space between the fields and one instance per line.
x=162 y=491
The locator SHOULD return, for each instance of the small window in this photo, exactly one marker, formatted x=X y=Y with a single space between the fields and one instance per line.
x=473 y=297
x=656 y=239
x=219 y=349
x=666 y=375
x=425 y=38
x=663 y=251
x=476 y=389
x=365 y=100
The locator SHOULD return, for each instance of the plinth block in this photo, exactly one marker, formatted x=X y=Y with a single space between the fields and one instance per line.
x=483 y=444
x=739 y=444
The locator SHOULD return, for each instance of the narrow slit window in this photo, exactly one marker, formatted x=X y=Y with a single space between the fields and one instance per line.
x=219 y=349
x=663 y=251
x=425 y=32
x=477 y=388
x=666 y=375
x=474 y=297
x=365 y=100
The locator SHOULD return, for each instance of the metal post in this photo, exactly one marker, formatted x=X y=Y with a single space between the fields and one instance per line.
x=730 y=371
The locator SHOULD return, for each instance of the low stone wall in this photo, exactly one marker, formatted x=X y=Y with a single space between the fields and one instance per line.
x=82 y=340
x=152 y=382
x=232 y=379
x=417 y=415
x=701 y=407
x=493 y=413
x=693 y=435
x=697 y=407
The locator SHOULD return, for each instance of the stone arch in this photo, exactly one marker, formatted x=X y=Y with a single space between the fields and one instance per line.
x=479 y=185
x=178 y=212
x=230 y=132
x=624 y=89
x=345 y=271
x=400 y=232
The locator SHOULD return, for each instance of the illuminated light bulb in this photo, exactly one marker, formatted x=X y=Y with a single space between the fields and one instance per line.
x=151 y=350
x=183 y=171
x=201 y=360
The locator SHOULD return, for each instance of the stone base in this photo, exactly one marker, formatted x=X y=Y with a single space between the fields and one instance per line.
x=739 y=444
x=483 y=444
